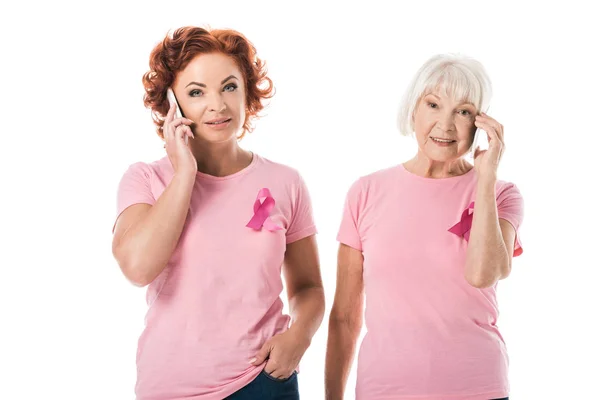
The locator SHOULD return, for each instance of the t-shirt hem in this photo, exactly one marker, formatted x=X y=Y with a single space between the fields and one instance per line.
x=306 y=232
x=125 y=208
x=477 y=396
x=349 y=242
x=518 y=248
x=230 y=389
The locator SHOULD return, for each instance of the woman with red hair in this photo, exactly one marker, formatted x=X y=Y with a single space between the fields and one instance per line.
x=209 y=228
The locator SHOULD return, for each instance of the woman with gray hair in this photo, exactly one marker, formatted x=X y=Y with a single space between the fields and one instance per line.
x=426 y=242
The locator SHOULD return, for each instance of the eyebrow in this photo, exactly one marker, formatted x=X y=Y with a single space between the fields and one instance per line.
x=461 y=104
x=203 y=85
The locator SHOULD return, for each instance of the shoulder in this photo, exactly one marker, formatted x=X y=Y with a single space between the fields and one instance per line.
x=371 y=185
x=507 y=189
x=148 y=170
x=279 y=171
x=375 y=181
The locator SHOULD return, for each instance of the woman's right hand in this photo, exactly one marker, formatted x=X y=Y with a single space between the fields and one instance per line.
x=176 y=133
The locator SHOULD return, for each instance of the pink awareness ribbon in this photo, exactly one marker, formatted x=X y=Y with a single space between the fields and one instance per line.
x=262 y=212
x=463 y=227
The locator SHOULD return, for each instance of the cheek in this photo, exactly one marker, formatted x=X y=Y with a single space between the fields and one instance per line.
x=196 y=108
x=237 y=104
x=466 y=130
x=423 y=124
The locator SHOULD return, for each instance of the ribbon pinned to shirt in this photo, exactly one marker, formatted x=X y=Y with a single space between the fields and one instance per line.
x=262 y=211
x=463 y=227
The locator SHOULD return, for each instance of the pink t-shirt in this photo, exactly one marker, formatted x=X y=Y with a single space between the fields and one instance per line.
x=430 y=334
x=218 y=299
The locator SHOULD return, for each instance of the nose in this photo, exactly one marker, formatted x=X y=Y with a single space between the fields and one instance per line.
x=446 y=122
x=216 y=103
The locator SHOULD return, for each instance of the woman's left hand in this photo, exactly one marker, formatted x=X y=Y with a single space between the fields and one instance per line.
x=283 y=353
x=487 y=161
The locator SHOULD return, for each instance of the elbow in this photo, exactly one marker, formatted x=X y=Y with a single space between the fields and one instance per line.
x=137 y=279
x=480 y=279
x=132 y=269
x=346 y=322
x=136 y=275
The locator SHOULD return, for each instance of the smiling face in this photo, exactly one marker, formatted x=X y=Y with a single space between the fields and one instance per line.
x=211 y=92
x=444 y=126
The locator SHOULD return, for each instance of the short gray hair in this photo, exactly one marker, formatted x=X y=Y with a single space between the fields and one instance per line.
x=460 y=77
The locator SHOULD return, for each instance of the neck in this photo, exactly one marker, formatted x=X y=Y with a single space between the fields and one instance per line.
x=424 y=166
x=220 y=159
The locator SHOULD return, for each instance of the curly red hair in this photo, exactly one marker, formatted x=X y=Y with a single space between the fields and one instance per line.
x=175 y=52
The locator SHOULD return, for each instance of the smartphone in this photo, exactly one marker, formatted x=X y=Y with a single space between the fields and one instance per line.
x=173 y=100
x=480 y=139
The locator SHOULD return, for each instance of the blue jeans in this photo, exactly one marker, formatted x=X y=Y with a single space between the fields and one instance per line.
x=265 y=387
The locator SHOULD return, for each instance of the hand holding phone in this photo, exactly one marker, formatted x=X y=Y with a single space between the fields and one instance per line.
x=480 y=140
x=173 y=100
x=175 y=128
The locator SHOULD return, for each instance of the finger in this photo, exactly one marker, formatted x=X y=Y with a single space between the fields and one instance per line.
x=171 y=123
x=490 y=130
x=182 y=132
x=189 y=132
x=492 y=122
x=501 y=132
x=179 y=121
x=262 y=354
x=170 y=114
x=270 y=368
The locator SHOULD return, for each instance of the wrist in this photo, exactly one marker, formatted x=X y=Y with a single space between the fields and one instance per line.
x=185 y=177
x=300 y=333
x=487 y=180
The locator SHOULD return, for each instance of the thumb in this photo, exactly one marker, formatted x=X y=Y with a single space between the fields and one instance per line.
x=262 y=355
x=478 y=151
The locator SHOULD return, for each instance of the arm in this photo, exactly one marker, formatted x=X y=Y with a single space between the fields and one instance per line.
x=304 y=287
x=145 y=236
x=491 y=243
x=345 y=321
x=307 y=304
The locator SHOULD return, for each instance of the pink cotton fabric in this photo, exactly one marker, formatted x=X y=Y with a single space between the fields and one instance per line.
x=218 y=299
x=430 y=334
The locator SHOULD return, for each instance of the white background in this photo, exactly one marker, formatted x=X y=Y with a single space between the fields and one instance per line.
x=74 y=120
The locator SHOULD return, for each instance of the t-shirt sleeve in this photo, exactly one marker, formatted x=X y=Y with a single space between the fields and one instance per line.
x=349 y=232
x=302 y=222
x=510 y=208
x=134 y=188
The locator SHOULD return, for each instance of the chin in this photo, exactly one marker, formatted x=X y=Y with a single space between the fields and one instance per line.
x=436 y=156
x=217 y=136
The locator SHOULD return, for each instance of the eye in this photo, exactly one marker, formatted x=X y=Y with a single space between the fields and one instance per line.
x=465 y=113
x=196 y=93
x=230 y=87
x=431 y=105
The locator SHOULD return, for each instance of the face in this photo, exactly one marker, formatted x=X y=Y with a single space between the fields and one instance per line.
x=210 y=91
x=444 y=127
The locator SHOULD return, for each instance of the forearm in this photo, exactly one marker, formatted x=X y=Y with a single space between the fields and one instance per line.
x=487 y=259
x=341 y=346
x=307 y=307
x=147 y=246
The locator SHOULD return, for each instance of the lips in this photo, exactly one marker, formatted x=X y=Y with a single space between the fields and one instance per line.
x=218 y=121
x=442 y=140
